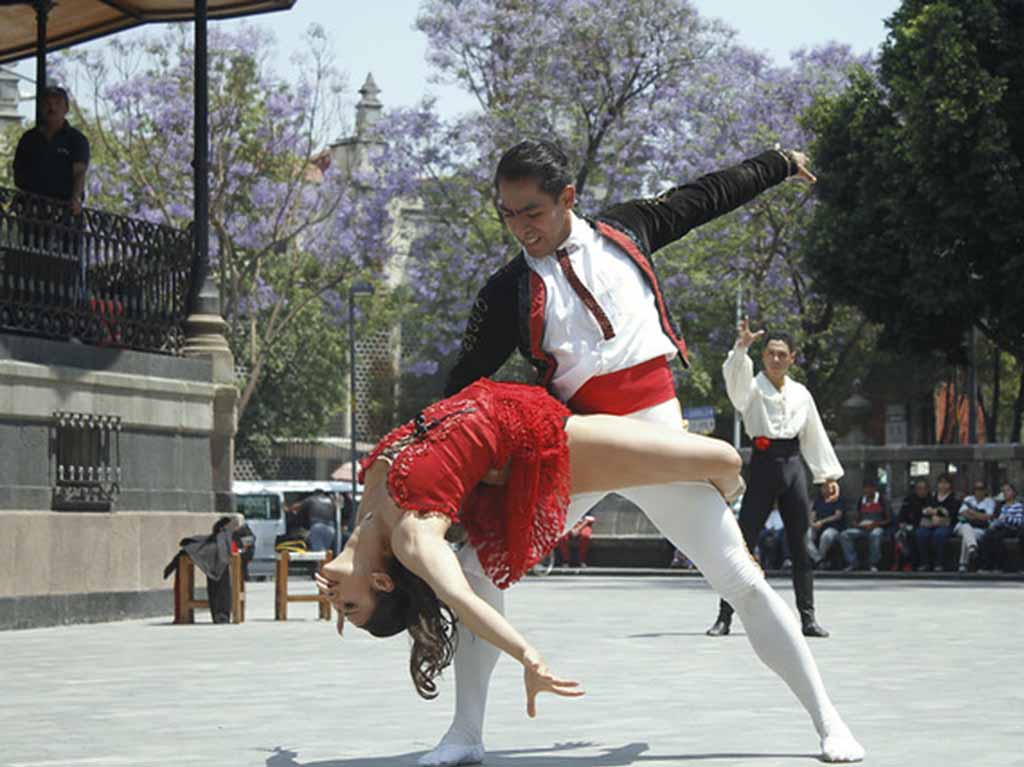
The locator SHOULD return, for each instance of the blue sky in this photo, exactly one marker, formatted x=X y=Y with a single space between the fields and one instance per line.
x=379 y=37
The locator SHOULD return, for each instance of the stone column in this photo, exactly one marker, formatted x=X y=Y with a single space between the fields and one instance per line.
x=205 y=338
x=856 y=409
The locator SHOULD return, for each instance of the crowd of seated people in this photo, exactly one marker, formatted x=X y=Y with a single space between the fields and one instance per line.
x=917 y=536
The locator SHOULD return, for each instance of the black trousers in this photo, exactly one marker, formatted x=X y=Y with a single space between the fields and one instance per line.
x=992 y=550
x=778 y=476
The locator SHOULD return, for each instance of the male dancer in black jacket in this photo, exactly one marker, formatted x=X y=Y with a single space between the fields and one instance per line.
x=582 y=303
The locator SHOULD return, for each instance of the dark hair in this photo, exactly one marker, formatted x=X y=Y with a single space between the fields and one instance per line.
x=780 y=335
x=538 y=159
x=1011 y=486
x=414 y=607
x=56 y=90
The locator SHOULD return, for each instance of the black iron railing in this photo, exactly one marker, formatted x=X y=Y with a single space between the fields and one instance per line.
x=100 y=278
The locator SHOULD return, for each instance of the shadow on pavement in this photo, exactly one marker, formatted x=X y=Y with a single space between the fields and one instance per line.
x=556 y=756
x=683 y=634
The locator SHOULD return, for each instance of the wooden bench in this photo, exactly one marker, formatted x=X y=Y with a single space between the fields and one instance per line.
x=281 y=595
x=185 y=602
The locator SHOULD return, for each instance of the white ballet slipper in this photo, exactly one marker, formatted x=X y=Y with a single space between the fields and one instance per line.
x=839 y=745
x=453 y=755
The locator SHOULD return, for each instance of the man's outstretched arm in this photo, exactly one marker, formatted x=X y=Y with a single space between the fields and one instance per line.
x=661 y=220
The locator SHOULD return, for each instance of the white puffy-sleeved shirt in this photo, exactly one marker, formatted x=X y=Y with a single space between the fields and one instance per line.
x=780 y=414
x=571 y=333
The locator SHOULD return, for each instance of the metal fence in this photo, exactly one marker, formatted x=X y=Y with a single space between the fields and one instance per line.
x=98 y=277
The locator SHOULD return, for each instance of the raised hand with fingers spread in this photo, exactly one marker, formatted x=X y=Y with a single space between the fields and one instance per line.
x=744 y=338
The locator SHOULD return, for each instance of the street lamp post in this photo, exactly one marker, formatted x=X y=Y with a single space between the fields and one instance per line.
x=357 y=289
x=736 y=432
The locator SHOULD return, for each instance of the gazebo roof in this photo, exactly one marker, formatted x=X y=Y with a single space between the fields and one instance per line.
x=71 y=22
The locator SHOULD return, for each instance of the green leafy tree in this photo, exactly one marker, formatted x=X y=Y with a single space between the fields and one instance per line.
x=922 y=181
x=666 y=98
x=289 y=229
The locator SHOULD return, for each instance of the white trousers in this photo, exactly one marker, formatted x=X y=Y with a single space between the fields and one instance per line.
x=970 y=537
x=694 y=517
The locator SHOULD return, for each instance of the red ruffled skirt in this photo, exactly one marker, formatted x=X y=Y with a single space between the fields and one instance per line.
x=439 y=458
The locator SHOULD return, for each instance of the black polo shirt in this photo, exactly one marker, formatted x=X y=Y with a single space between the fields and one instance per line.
x=44 y=167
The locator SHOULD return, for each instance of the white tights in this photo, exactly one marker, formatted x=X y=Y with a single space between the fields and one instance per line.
x=694 y=518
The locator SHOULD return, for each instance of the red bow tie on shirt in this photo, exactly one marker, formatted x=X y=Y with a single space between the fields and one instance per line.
x=562 y=256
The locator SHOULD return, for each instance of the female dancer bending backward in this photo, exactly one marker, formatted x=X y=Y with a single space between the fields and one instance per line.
x=509 y=456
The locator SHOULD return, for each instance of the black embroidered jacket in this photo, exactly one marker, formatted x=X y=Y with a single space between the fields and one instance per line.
x=509 y=309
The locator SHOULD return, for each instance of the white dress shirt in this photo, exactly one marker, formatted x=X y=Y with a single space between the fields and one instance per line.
x=985 y=505
x=571 y=333
x=780 y=414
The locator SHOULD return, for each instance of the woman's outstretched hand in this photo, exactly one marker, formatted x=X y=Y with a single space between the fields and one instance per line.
x=538 y=678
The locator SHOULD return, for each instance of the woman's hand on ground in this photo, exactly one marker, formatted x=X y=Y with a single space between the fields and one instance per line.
x=538 y=678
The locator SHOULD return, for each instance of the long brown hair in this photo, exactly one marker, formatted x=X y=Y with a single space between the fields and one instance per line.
x=414 y=607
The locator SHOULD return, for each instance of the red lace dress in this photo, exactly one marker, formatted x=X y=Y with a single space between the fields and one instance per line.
x=438 y=459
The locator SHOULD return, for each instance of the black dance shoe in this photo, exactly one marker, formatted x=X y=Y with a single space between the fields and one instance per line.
x=812 y=629
x=720 y=629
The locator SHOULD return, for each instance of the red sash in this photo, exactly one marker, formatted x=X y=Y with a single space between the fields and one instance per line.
x=626 y=391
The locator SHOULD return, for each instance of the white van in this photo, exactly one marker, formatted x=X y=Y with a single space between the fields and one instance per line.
x=263 y=505
x=263 y=509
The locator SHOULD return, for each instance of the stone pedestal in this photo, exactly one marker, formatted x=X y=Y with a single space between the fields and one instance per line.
x=206 y=341
x=71 y=565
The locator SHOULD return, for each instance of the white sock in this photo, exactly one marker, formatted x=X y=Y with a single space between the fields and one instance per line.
x=694 y=518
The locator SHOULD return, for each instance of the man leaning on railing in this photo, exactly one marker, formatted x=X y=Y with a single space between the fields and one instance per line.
x=52 y=158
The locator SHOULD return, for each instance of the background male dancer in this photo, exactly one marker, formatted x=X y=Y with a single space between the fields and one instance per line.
x=783 y=423
x=582 y=303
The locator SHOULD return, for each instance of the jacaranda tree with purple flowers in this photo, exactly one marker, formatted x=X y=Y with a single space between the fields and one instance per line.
x=289 y=228
x=642 y=96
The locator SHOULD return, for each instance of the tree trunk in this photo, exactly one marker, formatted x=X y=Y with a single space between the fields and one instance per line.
x=992 y=428
x=1018 y=406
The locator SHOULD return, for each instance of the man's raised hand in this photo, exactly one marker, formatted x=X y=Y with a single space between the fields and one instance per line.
x=802 y=171
x=744 y=338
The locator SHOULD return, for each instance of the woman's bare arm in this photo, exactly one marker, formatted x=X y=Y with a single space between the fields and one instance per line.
x=424 y=551
x=419 y=545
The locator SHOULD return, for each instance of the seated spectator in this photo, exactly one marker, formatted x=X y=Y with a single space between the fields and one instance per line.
x=976 y=512
x=872 y=517
x=1009 y=523
x=909 y=519
x=52 y=158
x=936 y=525
x=826 y=524
x=773 y=551
x=580 y=534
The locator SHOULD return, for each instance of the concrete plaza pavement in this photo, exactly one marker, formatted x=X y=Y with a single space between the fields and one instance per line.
x=925 y=672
